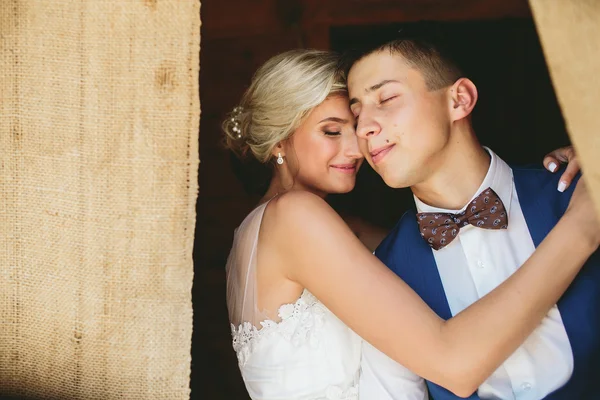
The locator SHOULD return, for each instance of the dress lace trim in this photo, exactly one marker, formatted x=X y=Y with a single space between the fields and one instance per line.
x=337 y=393
x=300 y=323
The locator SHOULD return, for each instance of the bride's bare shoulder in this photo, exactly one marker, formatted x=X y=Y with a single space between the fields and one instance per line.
x=291 y=210
x=299 y=203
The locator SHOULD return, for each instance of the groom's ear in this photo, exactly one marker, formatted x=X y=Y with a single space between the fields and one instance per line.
x=463 y=97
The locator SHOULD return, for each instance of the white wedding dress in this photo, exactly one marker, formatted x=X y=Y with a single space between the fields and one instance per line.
x=308 y=354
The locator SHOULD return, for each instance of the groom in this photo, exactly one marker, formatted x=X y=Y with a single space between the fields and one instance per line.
x=476 y=221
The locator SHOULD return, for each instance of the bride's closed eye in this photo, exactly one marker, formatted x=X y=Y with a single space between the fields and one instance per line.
x=332 y=130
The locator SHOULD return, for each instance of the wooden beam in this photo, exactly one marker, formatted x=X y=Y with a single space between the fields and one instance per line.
x=367 y=12
x=240 y=18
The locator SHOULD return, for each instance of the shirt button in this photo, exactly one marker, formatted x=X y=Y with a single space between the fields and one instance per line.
x=526 y=386
x=480 y=264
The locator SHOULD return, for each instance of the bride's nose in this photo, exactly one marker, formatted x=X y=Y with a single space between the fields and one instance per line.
x=351 y=149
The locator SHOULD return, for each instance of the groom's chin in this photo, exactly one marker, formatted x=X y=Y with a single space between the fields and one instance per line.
x=399 y=186
x=396 y=182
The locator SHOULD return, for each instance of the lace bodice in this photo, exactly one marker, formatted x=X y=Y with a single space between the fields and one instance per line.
x=300 y=323
x=308 y=355
x=309 y=351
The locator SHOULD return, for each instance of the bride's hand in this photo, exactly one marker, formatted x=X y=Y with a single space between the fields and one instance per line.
x=563 y=155
x=583 y=212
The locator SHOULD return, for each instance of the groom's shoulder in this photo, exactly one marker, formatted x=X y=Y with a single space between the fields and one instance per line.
x=404 y=229
x=534 y=173
x=535 y=179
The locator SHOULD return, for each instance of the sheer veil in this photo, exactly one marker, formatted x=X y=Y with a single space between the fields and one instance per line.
x=242 y=300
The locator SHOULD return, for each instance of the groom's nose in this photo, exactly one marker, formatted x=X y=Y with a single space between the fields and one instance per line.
x=367 y=126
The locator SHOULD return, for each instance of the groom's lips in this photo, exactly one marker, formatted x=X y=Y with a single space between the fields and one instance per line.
x=378 y=154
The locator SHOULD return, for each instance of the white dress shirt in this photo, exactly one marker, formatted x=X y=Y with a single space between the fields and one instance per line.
x=471 y=266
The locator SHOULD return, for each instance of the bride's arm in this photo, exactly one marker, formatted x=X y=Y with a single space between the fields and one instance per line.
x=321 y=253
x=370 y=235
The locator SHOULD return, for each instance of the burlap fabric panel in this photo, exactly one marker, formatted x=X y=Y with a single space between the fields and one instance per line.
x=570 y=35
x=99 y=116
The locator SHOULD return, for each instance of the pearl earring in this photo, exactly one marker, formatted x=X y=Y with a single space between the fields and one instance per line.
x=279 y=159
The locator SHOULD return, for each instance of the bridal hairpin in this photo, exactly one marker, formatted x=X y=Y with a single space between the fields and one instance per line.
x=235 y=120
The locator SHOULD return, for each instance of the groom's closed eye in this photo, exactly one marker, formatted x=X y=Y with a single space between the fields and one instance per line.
x=388 y=97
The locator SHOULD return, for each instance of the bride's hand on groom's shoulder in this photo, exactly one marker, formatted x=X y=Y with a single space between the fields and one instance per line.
x=564 y=155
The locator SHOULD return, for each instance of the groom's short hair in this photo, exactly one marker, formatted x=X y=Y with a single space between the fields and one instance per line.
x=437 y=68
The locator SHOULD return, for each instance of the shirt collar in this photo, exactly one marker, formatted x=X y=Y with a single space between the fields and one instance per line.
x=499 y=177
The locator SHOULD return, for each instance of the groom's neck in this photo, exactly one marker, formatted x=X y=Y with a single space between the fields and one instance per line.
x=462 y=168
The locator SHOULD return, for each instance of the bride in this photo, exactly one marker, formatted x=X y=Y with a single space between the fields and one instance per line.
x=303 y=291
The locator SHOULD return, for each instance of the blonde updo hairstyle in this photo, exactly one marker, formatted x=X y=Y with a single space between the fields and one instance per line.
x=282 y=93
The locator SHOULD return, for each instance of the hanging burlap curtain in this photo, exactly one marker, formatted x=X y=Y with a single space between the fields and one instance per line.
x=569 y=31
x=99 y=114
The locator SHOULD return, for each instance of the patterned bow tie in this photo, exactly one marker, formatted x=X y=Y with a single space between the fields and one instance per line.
x=485 y=211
